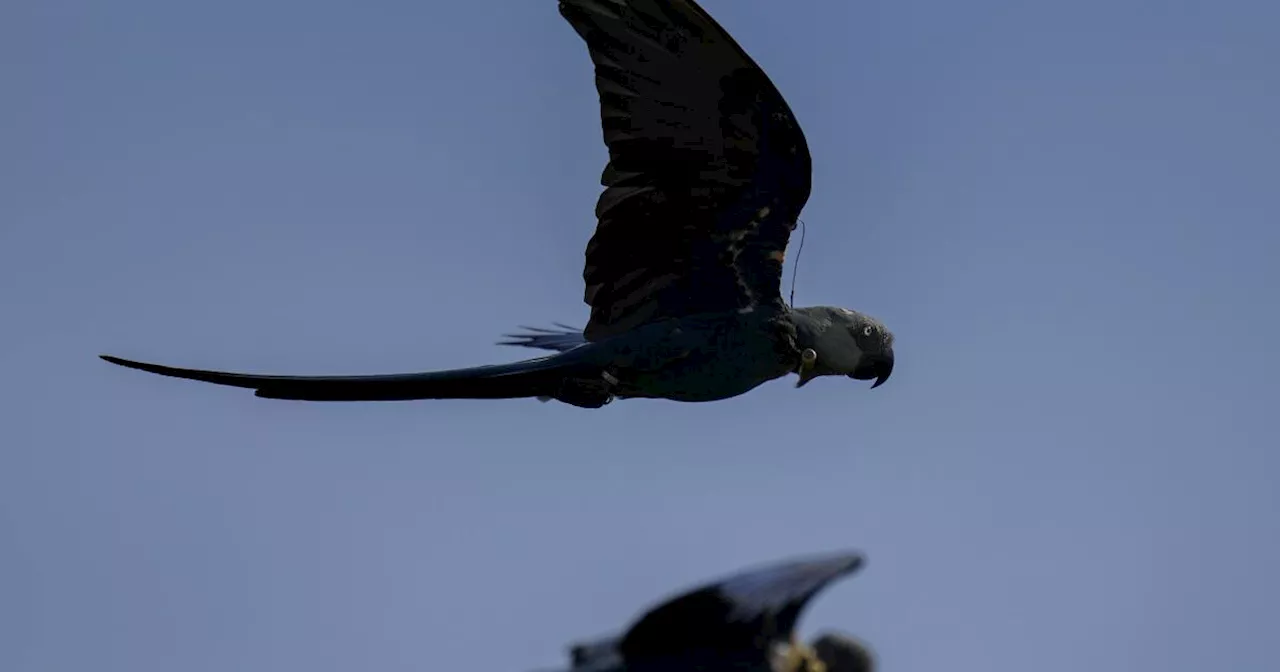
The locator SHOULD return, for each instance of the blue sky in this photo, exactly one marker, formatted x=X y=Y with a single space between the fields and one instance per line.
x=1066 y=212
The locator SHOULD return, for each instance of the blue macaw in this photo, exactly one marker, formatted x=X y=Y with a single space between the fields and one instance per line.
x=708 y=171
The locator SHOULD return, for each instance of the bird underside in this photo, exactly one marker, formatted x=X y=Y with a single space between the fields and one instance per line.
x=701 y=358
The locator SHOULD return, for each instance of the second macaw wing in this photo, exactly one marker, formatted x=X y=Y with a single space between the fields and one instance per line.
x=707 y=172
x=746 y=612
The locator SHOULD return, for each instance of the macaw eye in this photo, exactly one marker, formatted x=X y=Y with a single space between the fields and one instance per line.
x=868 y=330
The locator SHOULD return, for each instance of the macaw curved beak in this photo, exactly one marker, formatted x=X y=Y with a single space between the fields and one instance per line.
x=877 y=367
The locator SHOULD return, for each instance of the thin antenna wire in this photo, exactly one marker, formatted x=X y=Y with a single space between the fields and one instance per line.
x=796 y=266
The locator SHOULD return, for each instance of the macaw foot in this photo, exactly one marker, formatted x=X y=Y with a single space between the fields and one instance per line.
x=587 y=393
x=807 y=359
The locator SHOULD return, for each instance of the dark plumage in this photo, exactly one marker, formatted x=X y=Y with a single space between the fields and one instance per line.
x=708 y=171
x=745 y=622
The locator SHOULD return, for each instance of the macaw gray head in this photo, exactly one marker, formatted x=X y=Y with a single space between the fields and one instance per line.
x=842 y=342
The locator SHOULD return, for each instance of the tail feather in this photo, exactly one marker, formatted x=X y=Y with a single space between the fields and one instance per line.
x=530 y=378
x=563 y=339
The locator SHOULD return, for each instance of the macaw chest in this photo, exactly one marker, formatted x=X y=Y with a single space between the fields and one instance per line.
x=709 y=360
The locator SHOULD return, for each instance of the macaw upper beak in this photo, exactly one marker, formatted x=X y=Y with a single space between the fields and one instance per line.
x=878 y=367
x=885 y=370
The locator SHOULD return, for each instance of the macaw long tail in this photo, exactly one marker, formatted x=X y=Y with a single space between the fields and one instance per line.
x=544 y=376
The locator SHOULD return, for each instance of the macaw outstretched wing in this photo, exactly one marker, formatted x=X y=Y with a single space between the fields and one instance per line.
x=708 y=168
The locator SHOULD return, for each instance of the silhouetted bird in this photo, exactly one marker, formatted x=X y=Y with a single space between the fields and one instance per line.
x=743 y=623
x=708 y=171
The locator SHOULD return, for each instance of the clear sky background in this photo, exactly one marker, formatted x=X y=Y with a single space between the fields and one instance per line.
x=1067 y=212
